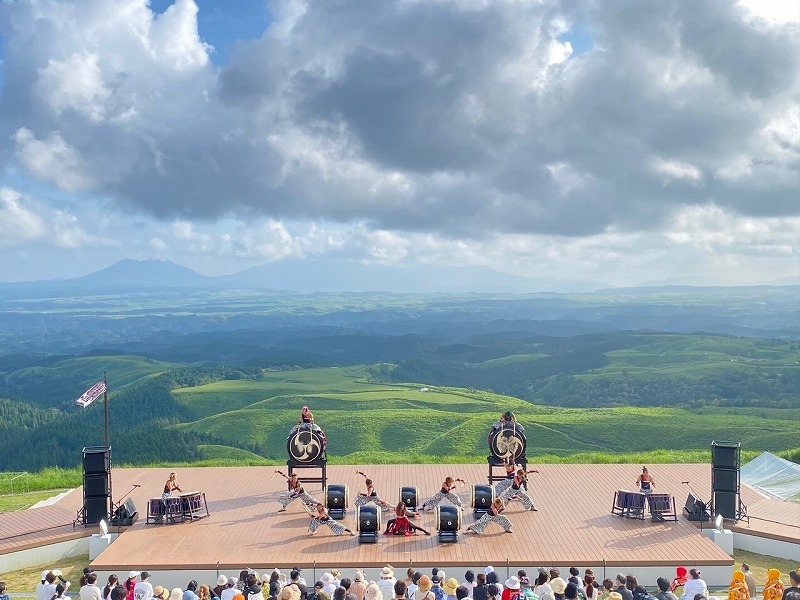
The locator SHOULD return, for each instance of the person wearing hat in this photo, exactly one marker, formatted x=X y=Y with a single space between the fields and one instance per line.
x=336 y=579
x=230 y=589
x=295 y=491
x=445 y=493
x=511 y=589
x=374 y=592
x=614 y=596
x=222 y=583
x=143 y=590
x=469 y=582
x=526 y=590
x=559 y=586
x=130 y=584
x=319 y=588
x=328 y=584
x=359 y=586
x=290 y=592
x=191 y=591
x=386 y=581
x=450 y=586
x=773 y=588
x=436 y=587
x=424 y=589
x=160 y=593
x=492 y=516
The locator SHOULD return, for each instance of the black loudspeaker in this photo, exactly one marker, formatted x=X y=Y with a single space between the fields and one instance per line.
x=725 y=480
x=96 y=509
x=695 y=509
x=96 y=460
x=726 y=504
x=95 y=485
x=725 y=454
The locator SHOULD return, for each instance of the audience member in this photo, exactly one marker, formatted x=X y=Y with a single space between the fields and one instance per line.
x=143 y=589
x=400 y=590
x=90 y=591
x=493 y=590
x=450 y=586
x=738 y=588
x=359 y=586
x=386 y=582
x=469 y=582
x=118 y=593
x=793 y=591
x=222 y=583
x=3 y=594
x=773 y=588
x=542 y=588
x=608 y=587
x=191 y=591
x=663 y=590
x=527 y=589
x=510 y=589
x=638 y=591
x=693 y=586
x=559 y=586
x=113 y=580
x=160 y=593
x=294 y=577
x=230 y=589
x=749 y=579
x=462 y=592
x=676 y=587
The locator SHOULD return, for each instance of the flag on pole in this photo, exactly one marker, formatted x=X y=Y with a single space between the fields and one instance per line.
x=92 y=394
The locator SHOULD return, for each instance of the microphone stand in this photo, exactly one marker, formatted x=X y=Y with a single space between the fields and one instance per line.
x=700 y=500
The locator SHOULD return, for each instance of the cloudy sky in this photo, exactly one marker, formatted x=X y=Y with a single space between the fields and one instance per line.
x=608 y=140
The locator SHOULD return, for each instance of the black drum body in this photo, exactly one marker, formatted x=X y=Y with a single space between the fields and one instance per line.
x=507 y=441
x=448 y=518
x=410 y=497
x=481 y=497
x=337 y=496
x=306 y=443
x=368 y=518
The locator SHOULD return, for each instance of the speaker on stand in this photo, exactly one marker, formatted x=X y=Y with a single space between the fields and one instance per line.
x=725 y=481
x=96 y=485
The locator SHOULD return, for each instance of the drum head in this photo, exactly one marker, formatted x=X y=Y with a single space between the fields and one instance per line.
x=482 y=496
x=448 y=518
x=507 y=441
x=409 y=496
x=368 y=518
x=336 y=495
x=306 y=443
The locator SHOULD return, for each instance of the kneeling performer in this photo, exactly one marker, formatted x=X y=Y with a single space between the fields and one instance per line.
x=401 y=525
x=445 y=492
x=320 y=517
x=492 y=516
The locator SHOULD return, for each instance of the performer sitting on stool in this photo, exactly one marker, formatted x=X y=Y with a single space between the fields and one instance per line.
x=321 y=517
x=401 y=525
x=645 y=482
x=518 y=488
x=445 y=492
x=295 y=491
x=492 y=516
x=371 y=496
x=306 y=416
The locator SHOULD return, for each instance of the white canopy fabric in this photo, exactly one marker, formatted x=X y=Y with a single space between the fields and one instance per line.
x=774 y=476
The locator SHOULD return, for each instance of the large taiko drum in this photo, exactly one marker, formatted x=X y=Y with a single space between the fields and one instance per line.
x=336 y=495
x=448 y=517
x=507 y=441
x=368 y=518
x=481 y=497
x=409 y=496
x=306 y=443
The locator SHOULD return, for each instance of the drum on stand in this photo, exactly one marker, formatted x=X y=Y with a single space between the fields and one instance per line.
x=410 y=497
x=448 y=518
x=507 y=441
x=336 y=496
x=481 y=497
x=368 y=518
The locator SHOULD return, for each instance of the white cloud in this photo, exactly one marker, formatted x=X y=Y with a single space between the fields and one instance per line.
x=51 y=159
x=74 y=83
x=24 y=221
x=671 y=170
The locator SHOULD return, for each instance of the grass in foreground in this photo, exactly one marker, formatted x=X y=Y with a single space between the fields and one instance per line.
x=24 y=580
x=13 y=502
x=761 y=563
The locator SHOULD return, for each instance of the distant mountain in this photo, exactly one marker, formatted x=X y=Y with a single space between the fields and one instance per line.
x=147 y=273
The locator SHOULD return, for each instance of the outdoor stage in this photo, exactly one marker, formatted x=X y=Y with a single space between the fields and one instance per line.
x=574 y=525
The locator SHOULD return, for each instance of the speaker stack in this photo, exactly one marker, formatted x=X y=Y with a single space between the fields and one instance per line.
x=725 y=470
x=96 y=484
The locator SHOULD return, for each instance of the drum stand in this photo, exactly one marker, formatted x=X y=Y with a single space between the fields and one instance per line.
x=320 y=463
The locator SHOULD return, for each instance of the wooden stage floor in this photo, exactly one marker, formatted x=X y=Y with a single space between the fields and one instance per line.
x=573 y=524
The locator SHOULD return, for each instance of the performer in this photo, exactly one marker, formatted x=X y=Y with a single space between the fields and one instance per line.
x=445 y=492
x=492 y=516
x=519 y=488
x=320 y=517
x=401 y=524
x=295 y=491
x=371 y=495
x=170 y=486
x=773 y=588
x=511 y=470
x=645 y=482
x=677 y=583
x=738 y=588
x=306 y=416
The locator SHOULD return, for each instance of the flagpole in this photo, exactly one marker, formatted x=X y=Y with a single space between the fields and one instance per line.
x=105 y=405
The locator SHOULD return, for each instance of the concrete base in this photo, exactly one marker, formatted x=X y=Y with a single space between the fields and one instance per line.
x=767 y=546
x=97 y=544
x=723 y=539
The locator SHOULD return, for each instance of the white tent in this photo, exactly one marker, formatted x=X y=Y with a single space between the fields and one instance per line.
x=775 y=476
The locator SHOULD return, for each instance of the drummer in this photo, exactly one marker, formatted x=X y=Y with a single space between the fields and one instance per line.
x=170 y=486
x=295 y=491
x=645 y=482
x=306 y=416
x=445 y=492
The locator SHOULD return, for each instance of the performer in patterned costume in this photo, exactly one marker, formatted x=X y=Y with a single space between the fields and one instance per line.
x=445 y=492
x=492 y=516
x=518 y=488
x=295 y=491
x=363 y=499
x=320 y=517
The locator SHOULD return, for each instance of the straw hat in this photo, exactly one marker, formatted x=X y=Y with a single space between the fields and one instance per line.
x=290 y=592
x=374 y=592
x=177 y=594
x=615 y=596
x=558 y=585
x=222 y=580
x=450 y=586
x=387 y=572
x=425 y=583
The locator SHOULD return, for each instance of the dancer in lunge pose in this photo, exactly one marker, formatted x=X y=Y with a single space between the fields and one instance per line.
x=492 y=516
x=445 y=492
x=518 y=489
x=320 y=517
x=295 y=491
x=401 y=524
x=371 y=495
x=511 y=471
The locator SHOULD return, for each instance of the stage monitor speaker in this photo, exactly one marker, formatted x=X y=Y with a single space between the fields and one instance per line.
x=127 y=510
x=96 y=460
x=725 y=480
x=695 y=509
x=725 y=454
x=96 y=509
x=726 y=504
x=96 y=485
